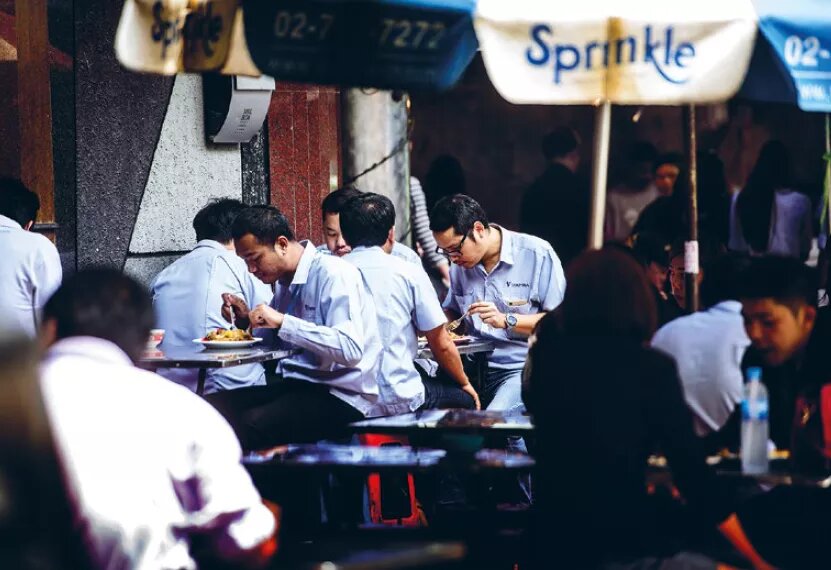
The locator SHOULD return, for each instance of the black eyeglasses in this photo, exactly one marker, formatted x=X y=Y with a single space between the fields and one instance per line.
x=453 y=251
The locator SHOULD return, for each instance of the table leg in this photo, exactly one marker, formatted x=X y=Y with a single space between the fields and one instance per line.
x=200 y=385
x=480 y=362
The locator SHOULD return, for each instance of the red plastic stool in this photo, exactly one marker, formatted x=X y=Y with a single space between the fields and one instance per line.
x=392 y=500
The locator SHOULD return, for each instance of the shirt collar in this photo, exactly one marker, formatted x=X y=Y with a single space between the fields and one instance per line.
x=93 y=348
x=506 y=250
x=361 y=248
x=210 y=243
x=6 y=222
x=301 y=274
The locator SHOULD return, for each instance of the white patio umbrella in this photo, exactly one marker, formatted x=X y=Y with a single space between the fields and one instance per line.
x=600 y=52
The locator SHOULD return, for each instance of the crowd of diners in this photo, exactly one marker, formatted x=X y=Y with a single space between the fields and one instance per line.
x=150 y=465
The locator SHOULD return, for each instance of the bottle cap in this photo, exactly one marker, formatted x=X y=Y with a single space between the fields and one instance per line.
x=754 y=373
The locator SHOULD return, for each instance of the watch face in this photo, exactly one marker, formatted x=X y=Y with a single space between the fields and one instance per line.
x=511 y=320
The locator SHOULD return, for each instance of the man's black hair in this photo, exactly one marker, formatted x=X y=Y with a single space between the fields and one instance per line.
x=366 y=220
x=673 y=158
x=559 y=143
x=649 y=248
x=18 y=202
x=723 y=278
x=103 y=303
x=786 y=280
x=642 y=151
x=334 y=201
x=215 y=220
x=459 y=212
x=265 y=223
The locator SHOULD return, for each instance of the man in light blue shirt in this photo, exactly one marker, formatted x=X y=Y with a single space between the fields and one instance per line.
x=503 y=281
x=336 y=244
x=406 y=304
x=708 y=347
x=31 y=268
x=320 y=307
x=187 y=295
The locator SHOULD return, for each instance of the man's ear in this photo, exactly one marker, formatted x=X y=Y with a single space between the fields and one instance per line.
x=810 y=313
x=48 y=334
x=29 y=225
x=281 y=245
x=391 y=235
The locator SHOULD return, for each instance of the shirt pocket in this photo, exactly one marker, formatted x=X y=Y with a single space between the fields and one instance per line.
x=517 y=304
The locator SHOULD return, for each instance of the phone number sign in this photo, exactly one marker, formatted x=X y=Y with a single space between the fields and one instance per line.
x=402 y=44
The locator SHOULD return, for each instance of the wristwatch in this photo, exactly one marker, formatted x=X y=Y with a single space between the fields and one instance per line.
x=510 y=321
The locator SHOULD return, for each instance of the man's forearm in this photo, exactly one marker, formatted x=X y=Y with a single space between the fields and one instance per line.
x=525 y=323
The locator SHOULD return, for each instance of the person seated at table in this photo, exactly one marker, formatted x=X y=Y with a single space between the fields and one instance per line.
x=602 y=401
x=321 y=308
x=154 y=471
x=187 y=295
x=502 y=282
x=406 y=304
x=335 y=244
x=708 y=347
x=790 y=339
x=31 y=268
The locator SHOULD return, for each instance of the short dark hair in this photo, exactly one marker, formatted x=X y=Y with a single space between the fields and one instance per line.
x=103 y=303
x=215 y=220
x=366 y=220
x=459 y=212
x=334 y=201
x=559 y=143
x=642 y=151
x=608 y=294
x=723 y=278
x=786 y=280
x=673 y=158
x=18 y=202
x=649 y=247
x=265 y=223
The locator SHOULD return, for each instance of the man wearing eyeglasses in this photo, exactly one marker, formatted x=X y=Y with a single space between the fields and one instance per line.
x=503 y=282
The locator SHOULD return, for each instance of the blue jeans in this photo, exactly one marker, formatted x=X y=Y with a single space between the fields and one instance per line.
x=502 y=391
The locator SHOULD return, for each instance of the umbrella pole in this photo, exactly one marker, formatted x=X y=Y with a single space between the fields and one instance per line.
x=691 y=268
x=602 y=129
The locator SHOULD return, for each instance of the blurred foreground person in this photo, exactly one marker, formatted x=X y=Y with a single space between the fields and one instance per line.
x=601 y=398
x=154 y=470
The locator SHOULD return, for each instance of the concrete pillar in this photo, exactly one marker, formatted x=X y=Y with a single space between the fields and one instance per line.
x=375 y=131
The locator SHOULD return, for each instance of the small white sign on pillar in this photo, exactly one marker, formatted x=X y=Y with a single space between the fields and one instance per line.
x=250 y=98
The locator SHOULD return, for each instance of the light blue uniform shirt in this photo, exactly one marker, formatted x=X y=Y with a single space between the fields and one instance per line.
x=330 y=316
x=528 y=279
x=398 y=250
x=406 y=304
x=187 y=297
x=708 y=348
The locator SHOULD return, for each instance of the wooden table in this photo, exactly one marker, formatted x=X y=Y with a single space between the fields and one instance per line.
x=196 y=356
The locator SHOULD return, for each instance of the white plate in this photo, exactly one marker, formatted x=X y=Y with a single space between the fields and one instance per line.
x=226 y=343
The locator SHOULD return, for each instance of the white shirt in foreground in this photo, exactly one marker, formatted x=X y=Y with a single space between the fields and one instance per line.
x=148 y=462
x=29 y=273
x=708 y=347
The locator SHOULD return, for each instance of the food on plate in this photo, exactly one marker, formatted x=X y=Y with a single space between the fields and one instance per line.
x=225 y=335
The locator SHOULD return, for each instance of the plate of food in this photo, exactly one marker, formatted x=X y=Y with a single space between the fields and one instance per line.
x=456 y=338
x=225 y=338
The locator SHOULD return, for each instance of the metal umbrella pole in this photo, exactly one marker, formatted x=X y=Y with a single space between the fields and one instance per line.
x=600 y=169
x=691 y=257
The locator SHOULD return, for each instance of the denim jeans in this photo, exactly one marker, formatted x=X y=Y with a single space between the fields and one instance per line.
x=502 y=391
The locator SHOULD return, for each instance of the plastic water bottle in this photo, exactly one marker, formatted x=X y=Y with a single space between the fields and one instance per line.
x=754 y=451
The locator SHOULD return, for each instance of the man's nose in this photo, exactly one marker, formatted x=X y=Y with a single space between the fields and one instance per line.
x=754 y=332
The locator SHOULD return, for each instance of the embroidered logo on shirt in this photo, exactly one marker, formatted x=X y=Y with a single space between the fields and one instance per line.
x=310 y=307
x=511 y=284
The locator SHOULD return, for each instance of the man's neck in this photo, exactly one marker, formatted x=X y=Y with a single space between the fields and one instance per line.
x=493 y=240
x=565 y=162
x=294 y=254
